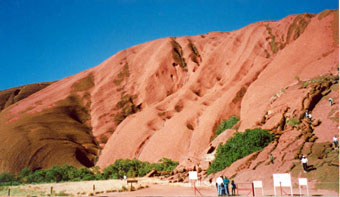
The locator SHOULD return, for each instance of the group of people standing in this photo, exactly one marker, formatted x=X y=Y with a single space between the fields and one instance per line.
x=222 y=185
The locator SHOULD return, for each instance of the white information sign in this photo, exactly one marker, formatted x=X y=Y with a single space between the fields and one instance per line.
x=303 y=181
x=192 y=175
x=282 y=180
x=257 y=184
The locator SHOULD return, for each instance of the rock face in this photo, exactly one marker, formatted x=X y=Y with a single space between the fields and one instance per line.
x=10 y=96
x=165 y=98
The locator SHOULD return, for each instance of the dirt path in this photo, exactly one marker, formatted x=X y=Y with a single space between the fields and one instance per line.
x=167 y=190
x=145 y=187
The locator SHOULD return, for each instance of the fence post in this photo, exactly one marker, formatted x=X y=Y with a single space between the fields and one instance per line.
x=252 y=189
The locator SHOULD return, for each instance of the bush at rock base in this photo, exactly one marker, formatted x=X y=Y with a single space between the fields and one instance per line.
x=64 y=173
x=239 y=146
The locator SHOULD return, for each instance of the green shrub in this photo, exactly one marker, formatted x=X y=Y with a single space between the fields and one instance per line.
x=38 y=176
x=136 y=168
x=226 y=124
x=55 y=174
x=293 y=121
x=7 y=179
x=130 y=168
x=86 y=174
x=239 y=146
x=23 y=174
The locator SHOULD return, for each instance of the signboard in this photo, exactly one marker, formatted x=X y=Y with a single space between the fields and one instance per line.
x=257 y=184
x=282 y=180
x=302 y=181
x=192 y=175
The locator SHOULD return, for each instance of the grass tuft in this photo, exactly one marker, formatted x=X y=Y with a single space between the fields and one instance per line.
x=293 y=121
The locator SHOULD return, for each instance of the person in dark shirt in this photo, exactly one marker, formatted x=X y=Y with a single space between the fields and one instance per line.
x=233 y=187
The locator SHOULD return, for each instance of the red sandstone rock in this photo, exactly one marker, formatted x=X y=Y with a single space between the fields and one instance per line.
x=244 y=73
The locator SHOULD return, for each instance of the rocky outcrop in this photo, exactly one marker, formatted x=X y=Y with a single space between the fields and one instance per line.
x=165 y=98
x=10 y=96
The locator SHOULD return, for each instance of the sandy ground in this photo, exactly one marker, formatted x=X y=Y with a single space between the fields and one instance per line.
x=148 y=187
x=168 y=190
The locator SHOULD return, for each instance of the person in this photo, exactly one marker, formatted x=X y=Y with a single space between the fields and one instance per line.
x=233 y=187
x=330 y=101
x=226 y=185
x=335 y=141
x=310 y=117
x=219 y=185
x=271 y=158
x=304 y=161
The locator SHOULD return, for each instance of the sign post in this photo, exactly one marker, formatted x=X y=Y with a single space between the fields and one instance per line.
x=282 y=180
x=258 y=184
x=303 y=182
x=193 y=178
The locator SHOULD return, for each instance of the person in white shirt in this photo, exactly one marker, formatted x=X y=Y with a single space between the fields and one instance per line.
x=335 y=141
x=330 y=101
x=304 y=161
x=219 y=185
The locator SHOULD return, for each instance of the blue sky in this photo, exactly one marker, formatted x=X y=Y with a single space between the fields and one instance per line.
x=46 y=40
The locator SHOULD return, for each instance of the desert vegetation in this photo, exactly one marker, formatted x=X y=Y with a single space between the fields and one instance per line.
x=64 y=173
x=136 y=168
x=239 y=146
x=293 y=121
x=226 y=124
